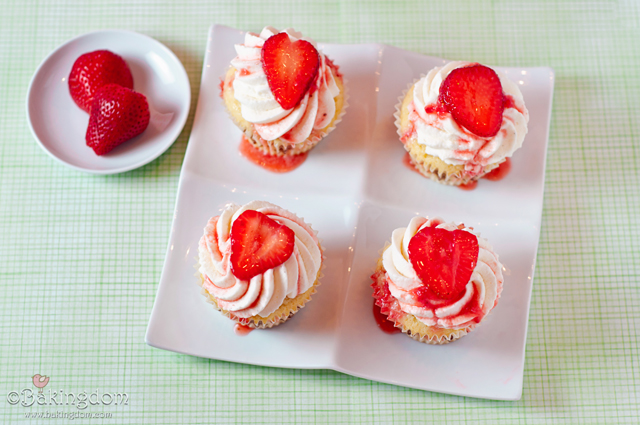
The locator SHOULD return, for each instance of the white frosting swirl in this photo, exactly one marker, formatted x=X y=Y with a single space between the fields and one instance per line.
x=482 y=291
x=264 y=293
x=452 y=143
x=258 y=105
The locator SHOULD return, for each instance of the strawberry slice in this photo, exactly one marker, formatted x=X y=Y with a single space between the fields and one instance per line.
x=117 y=115
x=473 y=95
x=444 y=262
x=94 y=70
x=258 y=243
x=290 y=68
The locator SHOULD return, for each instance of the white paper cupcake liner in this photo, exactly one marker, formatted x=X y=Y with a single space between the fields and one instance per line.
x=398 y=106
x=435 y=338
x=257 y=322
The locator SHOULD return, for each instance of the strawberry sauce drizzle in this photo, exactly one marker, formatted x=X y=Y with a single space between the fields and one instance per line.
x=273 y=163
x=509 y=102
x=469 y=186
x=438 y=109
x=494 y=175
x=473 y=308
x=221 y=85
x=406 y=160
x=500 y=172
x=383 y=323
x=241 y=330
x=386 y=309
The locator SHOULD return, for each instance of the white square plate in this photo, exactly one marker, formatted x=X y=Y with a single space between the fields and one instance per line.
x=354 y=190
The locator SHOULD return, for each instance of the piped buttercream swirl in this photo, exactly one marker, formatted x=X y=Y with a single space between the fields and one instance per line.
x=258 y=105
x=264 y=293
x=442 y=137
x=478 y=299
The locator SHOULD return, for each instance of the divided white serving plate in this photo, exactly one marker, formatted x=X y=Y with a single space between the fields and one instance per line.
x=59 y=125
x=354 y=190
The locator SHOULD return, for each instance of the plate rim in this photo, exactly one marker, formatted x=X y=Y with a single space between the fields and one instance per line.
x=180 y=126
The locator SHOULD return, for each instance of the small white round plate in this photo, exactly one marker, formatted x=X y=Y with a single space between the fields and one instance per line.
x=59 y=126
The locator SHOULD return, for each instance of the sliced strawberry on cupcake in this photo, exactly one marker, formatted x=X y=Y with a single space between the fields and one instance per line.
x=444 y=261
x=473 y=95
x=93 y=70
x=290 y=68
x=258 y=243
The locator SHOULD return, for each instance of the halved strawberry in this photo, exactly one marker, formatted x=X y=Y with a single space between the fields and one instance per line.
x=473 y=95
x=290 y=68
x=94 y=70
x=444 y=262
x=258 y=243
x=117 y=115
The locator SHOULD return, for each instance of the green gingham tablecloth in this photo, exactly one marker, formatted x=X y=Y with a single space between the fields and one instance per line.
x=81 y=255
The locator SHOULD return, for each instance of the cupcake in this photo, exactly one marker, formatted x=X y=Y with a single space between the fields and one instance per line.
x=283 y=93
x=259 y=264
x=461 y=121
x=437 y=281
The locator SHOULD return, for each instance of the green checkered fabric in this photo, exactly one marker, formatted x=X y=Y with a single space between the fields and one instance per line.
x=81 y=255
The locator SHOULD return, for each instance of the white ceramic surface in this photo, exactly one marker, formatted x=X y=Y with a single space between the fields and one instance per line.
x=59 y=126
x=354 y=190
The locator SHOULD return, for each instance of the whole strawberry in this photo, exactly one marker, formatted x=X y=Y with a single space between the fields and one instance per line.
x=117 y=115
x=92 y=71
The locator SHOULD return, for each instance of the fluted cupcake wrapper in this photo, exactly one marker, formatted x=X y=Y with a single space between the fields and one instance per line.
x=438 y=339
x=398 y=107
x=432 y=335
x=258 y=322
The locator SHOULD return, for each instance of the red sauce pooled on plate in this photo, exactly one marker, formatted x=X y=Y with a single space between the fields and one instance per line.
x=273 y=163
x=241 y=329
x=494 y=175
x=500 y=172
x=406 y=160
x=383 y=323
x=469 y=186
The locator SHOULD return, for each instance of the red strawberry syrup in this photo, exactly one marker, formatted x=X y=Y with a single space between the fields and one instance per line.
x=383 y=323
x=241 y=330
x=221 y=85
x=469 y=186
x=509 y=102
x=383 y=301
x=406 y=160
x=494 y=175
x=500 y=172
x=273 y=163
